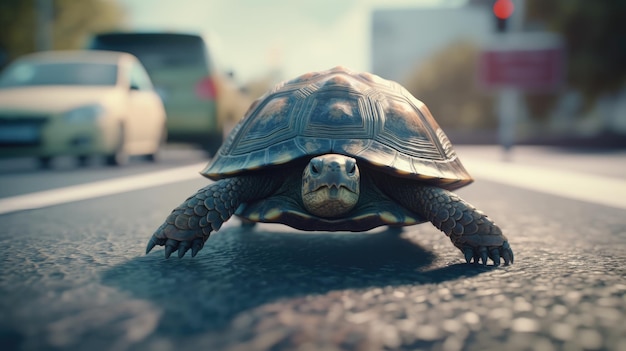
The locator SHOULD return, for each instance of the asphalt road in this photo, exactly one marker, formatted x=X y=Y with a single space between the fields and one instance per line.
x=22 y=175
x=74 y=276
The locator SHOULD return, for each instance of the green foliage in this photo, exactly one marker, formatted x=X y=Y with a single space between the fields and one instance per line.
x=595 y=36
x=446 y=83
x=72 y=22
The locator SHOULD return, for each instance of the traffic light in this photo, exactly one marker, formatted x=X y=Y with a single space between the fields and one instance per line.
x=502 y=10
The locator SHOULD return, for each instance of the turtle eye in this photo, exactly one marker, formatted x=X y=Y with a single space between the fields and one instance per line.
x=351 y=167
x=315 y=167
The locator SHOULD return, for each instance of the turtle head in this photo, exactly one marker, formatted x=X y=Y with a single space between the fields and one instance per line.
x=330 y=185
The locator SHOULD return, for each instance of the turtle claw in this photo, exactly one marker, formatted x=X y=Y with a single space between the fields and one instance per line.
x=483 y=254
x=168 y=251
x=476 y=257
x=494 y=254
x=151 y=245
x=183 y=248
x=196 y=245
x=469 y=253
x=507 y=253
x=154 y=241
x=170 y=246
x=480 y=255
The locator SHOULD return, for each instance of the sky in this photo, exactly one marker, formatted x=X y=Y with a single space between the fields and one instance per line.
x=289 y=37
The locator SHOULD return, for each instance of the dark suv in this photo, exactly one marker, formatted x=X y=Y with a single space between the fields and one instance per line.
x=181 y=70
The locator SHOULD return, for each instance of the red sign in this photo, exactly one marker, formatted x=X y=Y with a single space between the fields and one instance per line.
x=524 y=69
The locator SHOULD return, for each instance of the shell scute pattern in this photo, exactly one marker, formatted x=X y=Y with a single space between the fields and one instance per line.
x=337 y=111
x=337 y=117
x=273 y=124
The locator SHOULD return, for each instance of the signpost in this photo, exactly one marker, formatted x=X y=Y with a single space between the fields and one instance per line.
x=520 y=62
x=514 y=61
x=530 y=62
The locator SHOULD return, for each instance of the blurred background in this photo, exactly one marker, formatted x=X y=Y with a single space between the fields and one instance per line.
x=507 y=71
x=541 y=79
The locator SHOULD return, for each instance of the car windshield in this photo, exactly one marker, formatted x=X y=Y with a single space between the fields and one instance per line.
x=58 y=73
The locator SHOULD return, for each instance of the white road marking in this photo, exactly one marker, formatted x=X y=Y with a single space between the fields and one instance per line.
x=575 y=185
x=597 y=189
x=96 y=189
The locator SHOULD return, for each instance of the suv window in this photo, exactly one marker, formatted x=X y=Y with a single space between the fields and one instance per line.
x=139 y=78
x=156 y=50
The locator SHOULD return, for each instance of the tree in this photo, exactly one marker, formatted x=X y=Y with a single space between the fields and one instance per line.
x=595 y=41
x=72 y=22
x=446 y=83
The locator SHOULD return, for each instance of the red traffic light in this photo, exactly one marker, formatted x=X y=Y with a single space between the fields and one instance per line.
x=503 y=9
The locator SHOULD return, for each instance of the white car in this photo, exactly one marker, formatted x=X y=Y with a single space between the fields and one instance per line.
x=181 y=68
x=79 y=103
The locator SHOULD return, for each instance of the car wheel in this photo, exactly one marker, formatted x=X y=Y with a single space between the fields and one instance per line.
x=82 y=160
x=154 y=157
x=119 y=157
x=45 y=162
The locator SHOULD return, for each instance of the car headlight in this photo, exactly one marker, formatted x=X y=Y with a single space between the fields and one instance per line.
x=88 y=113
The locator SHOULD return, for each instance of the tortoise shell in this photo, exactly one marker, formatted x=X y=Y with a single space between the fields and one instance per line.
x=361 y=115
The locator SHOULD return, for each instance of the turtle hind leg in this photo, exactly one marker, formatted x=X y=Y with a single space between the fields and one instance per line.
x=192 y=222
x=247 y=224
x=471 y=231
x=394 y=229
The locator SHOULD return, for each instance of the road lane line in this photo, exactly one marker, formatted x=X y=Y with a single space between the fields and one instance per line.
x=575 y=185
x=101 y=188
x=597 y=189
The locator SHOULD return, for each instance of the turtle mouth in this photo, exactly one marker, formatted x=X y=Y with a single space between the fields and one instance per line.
x=330 y=201
x=333 y=192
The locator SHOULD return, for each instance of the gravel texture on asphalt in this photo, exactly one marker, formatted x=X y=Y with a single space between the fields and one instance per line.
x=74 y=277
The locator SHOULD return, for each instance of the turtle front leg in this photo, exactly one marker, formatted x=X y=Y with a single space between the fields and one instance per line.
x=190 y=224
x=470 y=230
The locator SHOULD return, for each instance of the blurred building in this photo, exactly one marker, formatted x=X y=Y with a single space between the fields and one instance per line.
x=414 y=46
x=403 y=38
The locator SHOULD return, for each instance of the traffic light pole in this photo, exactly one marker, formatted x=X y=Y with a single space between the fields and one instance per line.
x=43 y=32
x=507 y=109
x=509 y=97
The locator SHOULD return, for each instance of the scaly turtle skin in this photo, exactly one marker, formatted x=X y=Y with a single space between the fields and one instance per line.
x=336 y=150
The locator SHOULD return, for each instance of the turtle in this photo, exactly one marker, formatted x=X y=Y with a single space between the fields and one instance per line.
x=336 y=150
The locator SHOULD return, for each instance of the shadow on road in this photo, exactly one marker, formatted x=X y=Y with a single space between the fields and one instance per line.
x=239 y=270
